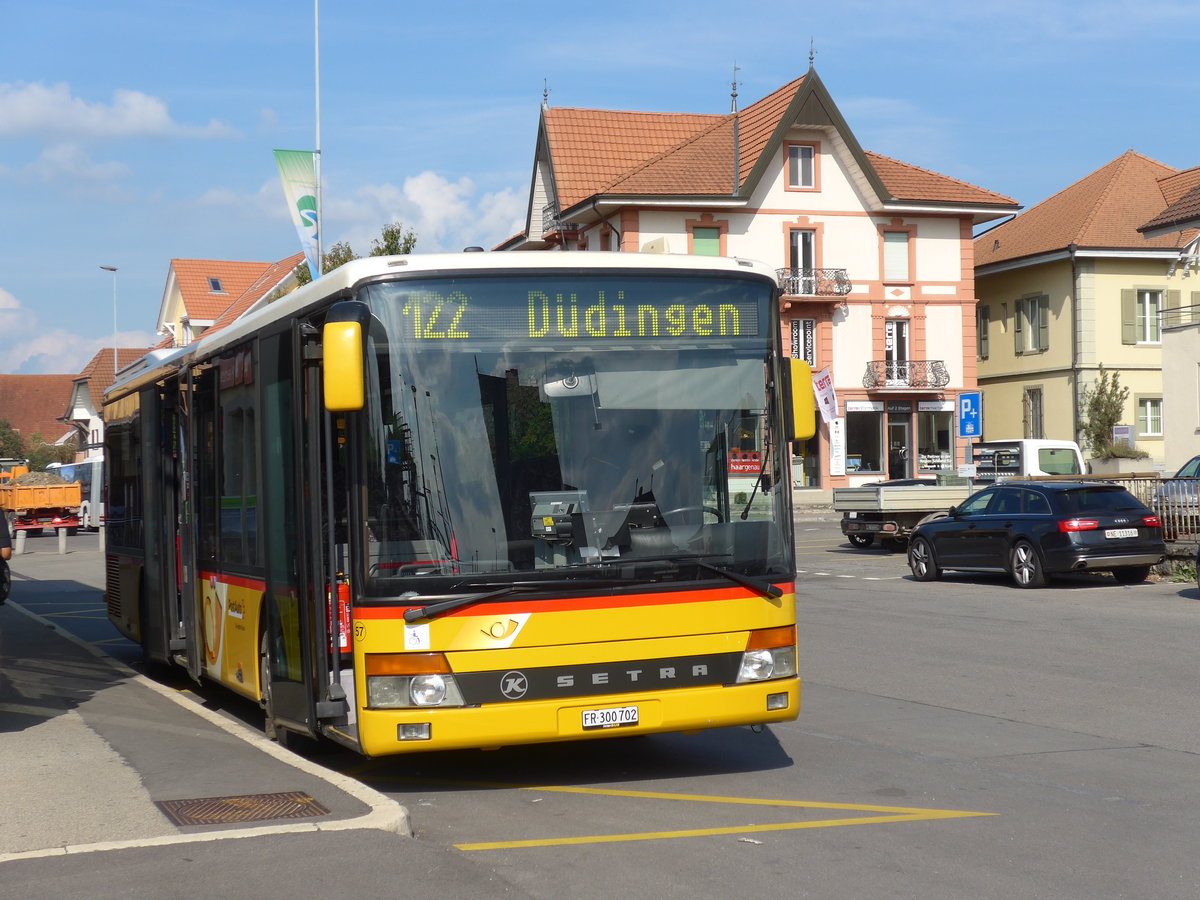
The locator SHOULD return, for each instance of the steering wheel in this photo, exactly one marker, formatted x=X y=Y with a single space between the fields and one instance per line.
x=711 y=510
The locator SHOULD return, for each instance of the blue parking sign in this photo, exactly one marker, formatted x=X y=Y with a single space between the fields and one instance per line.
x=970 y=414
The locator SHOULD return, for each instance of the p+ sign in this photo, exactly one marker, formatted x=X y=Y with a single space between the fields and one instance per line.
x=970 y=414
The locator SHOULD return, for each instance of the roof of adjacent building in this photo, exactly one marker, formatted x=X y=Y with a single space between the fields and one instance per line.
x=267 y=281
x=243 y=285
x=32 y=404
x=96 y=377
x=1101 y=211
x=203 y=303
x=1182 y=193
x=617 y=153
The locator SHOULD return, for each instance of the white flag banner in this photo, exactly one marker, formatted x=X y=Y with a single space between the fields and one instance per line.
x=297 y=171
x=827 y=400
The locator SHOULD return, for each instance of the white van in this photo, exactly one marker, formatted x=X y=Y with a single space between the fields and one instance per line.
x=1023 y=457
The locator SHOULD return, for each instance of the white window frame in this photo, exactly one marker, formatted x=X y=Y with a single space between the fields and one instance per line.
x=1149 y=417
x=1148 y=310
x=896 y=257
x=801 y=166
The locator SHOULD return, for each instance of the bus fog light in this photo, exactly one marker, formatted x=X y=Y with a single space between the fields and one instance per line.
x=387 y=691
x=414 y=731
x=777 y=701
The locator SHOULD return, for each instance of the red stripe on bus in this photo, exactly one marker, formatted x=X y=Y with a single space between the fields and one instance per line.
x=234 y=581
x=573 y=604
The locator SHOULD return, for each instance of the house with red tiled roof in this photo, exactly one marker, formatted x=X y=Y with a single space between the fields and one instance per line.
x=1181 y=324
x=87 y=393
x=201 y=292
x=874 y=255
x=32 y=404
x=1070 y=284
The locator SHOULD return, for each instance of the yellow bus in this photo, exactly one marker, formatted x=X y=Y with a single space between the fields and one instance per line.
x=472 y=500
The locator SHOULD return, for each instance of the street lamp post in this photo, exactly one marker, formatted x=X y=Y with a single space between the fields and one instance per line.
x=113 y=269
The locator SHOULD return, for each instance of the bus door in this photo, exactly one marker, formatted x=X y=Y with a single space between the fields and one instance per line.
x=295 y=492
x=184 y=440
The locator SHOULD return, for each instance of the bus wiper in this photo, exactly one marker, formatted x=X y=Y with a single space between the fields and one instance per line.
x=444 y=606
x=755 y=584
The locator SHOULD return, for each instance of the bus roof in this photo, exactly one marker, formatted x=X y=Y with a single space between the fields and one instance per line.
x=344 y=279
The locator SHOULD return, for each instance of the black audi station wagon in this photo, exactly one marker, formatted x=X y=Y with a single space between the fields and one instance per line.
x=1034 y=529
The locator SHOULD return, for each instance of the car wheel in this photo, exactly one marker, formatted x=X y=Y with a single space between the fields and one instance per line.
x=861 y=540
x=921 y=561
x=1026 y=566
x=1131 y=574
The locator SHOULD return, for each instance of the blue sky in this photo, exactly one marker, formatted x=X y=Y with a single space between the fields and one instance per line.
x=134 y=132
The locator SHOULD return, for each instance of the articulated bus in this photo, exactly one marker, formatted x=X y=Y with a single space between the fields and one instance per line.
x=464 y=501
x=90 y=475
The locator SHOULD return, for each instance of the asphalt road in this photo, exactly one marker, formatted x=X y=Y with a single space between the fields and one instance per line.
x=958 y=739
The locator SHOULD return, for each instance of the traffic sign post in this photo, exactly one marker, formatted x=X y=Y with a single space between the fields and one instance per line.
x=970 y=424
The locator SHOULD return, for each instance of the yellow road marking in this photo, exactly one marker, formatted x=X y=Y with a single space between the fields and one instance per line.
x=890 y=814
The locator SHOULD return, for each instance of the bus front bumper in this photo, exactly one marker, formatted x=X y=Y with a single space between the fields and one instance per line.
x=540 y=721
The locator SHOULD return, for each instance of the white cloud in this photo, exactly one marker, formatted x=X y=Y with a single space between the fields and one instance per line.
x=50 y=351
x=70 y=161
x=50 y=111
x=445 y=215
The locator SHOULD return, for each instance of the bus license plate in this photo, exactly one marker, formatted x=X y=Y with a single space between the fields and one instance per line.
x=613 y=717
x=1121 y=532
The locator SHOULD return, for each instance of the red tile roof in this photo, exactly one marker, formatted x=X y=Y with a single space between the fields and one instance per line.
x=677 y=154
x=203 y=304
x=98 y=373
x=1182 y=193
x=1100 y=211
x=264 y=284
x=31 y=404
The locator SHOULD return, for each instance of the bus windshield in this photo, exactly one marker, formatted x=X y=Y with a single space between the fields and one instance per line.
x=539 y=425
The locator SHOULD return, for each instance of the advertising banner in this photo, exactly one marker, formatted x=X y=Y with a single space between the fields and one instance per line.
x=298 y=175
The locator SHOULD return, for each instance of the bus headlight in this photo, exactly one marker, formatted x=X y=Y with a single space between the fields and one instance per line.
x=770 y=653
x=409 y=691
x=409 y=680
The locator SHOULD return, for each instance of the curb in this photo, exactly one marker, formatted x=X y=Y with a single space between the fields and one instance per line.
x=385 y=814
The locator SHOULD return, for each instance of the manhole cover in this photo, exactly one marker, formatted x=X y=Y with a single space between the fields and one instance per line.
x=243 y=808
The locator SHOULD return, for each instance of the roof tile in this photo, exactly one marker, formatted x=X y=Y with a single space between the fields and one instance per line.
x=1100 y=211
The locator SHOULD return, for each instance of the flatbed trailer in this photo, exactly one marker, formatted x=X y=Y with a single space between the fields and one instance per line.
x=891 y=512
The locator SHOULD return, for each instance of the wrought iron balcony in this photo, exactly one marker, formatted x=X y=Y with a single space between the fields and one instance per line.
x=813 y=282
x=914 y=373
x=552 y=223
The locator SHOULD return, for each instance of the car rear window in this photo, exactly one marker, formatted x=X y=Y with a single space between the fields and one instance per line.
x=1098 y=500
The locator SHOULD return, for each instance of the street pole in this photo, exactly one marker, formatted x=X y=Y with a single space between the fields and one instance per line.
x=113 y=269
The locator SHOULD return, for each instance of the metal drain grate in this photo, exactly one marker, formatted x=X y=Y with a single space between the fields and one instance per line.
x=243 y=808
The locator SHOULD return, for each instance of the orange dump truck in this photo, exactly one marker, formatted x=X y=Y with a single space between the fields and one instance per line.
x=32 y=507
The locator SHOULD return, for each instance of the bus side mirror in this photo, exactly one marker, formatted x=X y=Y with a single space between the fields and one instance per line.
x=344 y=345
x=802 y=410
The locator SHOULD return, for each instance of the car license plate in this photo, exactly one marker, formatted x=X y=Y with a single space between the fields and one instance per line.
x=1121 y=532
x=612 y=717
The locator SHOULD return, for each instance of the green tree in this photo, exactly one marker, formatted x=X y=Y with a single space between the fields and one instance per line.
x=395 y=240
x=11 y=445
x=1104 y=404
x=41 y=453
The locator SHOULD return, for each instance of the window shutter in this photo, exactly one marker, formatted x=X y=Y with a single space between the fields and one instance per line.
x=1128 y=316
x=1171 y=300
x=1043 y=308
x=985 y=321
x=1018 y=315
